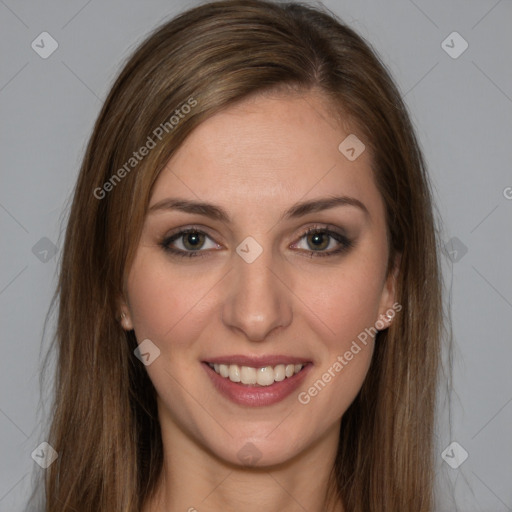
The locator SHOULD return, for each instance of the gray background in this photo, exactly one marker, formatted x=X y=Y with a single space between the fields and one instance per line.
x=462 y=110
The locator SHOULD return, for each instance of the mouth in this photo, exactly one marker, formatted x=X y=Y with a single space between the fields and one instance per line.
x=256 y=376
x=257 y=381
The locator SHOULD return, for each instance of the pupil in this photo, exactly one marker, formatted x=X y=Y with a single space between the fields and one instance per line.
x=193 y=239
x=318 y=240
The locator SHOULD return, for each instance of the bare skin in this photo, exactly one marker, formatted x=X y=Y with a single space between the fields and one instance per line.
x=256 y=160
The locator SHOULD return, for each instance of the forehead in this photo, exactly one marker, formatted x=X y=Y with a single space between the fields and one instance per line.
x=268 y=151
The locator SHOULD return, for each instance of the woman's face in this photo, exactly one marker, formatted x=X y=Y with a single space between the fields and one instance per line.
x=285 y=316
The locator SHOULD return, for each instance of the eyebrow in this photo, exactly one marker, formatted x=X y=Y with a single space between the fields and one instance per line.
x=217 y=213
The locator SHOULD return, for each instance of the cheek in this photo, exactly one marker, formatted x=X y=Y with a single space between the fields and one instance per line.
x=346 y=300
x=348 y=307
x=164 y=304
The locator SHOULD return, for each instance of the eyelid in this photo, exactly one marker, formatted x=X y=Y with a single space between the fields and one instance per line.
x=179 y=233
x=344 y=242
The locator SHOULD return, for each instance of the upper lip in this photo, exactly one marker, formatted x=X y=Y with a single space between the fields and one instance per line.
x=257 y=361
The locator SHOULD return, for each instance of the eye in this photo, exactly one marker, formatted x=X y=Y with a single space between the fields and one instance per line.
x=318 y=239
x=188 y=243
x=192 y=242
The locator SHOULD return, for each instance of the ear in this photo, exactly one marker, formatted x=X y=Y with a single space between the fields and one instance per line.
x=124 y=316
x=388 y=305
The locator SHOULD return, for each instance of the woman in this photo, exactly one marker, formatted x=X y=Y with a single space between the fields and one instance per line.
x=249 y=298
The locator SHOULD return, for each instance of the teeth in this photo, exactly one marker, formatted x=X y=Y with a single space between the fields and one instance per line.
x=234 y=373
x=247 y=375
x=264 y=376
x=279 y=373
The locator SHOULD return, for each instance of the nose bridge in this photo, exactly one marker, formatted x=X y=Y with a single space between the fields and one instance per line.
x=257 y=300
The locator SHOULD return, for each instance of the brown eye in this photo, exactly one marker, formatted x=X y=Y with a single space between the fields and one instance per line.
x=324 y=242
x=189 y=242
x=193 y=240
x=318 y=241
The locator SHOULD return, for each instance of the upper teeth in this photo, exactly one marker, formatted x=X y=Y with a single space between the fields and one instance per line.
x=263 y=376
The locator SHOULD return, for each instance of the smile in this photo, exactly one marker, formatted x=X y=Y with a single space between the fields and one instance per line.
x=263 y=376
x=257 y=381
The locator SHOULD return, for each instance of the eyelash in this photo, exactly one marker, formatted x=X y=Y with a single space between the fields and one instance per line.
x=345 y=243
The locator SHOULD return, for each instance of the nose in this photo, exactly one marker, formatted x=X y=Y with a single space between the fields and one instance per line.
x=258 y=300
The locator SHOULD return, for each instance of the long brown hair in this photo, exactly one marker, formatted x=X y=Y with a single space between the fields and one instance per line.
x=105 y=426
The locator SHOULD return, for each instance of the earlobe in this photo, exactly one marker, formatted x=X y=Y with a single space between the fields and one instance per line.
x=125 y=321
x=123 y=316
x=123 y=311
x=385 y=320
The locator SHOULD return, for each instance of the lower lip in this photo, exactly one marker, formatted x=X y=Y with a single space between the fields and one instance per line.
x=256 y=396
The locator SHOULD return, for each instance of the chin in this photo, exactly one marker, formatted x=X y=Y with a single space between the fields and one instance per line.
x=259 y=452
